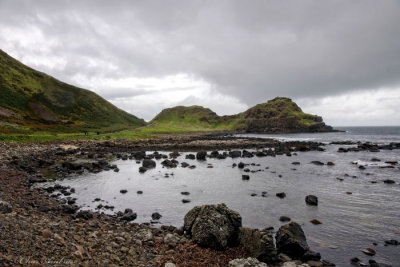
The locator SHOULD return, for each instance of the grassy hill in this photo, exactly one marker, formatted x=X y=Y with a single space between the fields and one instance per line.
x=32 y=100
x=279 y=115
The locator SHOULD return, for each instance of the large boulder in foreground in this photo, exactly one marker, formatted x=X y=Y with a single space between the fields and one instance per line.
x=213 y=226
x=290 y=240
x=259 y=244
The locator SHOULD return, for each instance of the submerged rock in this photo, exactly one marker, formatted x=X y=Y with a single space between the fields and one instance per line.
x=290 y=240
x=281 y=195
x=213 y=226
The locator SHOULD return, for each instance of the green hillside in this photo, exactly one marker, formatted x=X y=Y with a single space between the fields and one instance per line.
x=30 y=99
x=279 y=115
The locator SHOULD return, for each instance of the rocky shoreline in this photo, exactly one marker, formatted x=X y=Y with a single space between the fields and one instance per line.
x=39 y=230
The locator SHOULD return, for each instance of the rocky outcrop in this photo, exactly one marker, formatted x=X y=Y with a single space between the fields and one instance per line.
x=290 y=240
x=259 y=244
x=213 y=226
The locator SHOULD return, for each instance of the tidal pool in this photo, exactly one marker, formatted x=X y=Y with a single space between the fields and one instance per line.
x=350 y=222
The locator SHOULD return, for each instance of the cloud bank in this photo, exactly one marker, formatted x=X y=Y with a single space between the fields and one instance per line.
x=226 y=55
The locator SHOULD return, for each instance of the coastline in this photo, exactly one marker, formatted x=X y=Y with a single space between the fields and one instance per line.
x=53 y=230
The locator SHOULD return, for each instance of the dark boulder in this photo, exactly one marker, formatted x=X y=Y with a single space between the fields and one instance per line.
x=312 y=200
x=317 y=162
x=156 y=216
x=184 y=164
x=235 y=154
x=213 y=226
x=149 y=163
x=284 y=219
x=245 y=177
x=190 y=156
x=281 y=195
x=290 y=240
x=201 y=155
x=241 y=165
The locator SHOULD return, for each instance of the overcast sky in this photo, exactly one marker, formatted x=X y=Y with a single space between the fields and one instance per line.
x=337 y=59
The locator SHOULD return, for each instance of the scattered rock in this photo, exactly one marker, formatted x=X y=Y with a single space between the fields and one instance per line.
x=156 y=216
x=201 y=155
x=123 y=191
x=213 y=226
x=127 y=215
x=185 y=200
x=315 y=221
x=148 y=163
x=316 y=162
x=389 y=181
x=281 y=195
x=284 y=219
x=290 y=240
x=392 y=242
x=245 y=177
x=369 y=251
x=142 y=169
x=312 y=200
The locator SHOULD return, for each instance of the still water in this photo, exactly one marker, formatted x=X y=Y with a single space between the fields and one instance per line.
x=350 y=222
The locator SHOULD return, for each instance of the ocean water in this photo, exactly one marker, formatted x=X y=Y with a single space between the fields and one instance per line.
x=379 y=135
x=350 y=222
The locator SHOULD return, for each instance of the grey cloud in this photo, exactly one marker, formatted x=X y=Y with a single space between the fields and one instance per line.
x=251 y=50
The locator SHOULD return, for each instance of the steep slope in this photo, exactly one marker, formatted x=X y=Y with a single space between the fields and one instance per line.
x=29 y=98
x=279 y=115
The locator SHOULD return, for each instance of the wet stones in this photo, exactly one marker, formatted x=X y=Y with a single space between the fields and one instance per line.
x=185 y=200
x=245 y=177
x=201 y=155
x=170 y=163
x=241 y=165
x=185 y=193
x=311 y=200
x=5 y=207
x=213 y=226
x=123 y=191
x=290 y=240
x=127 y=215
